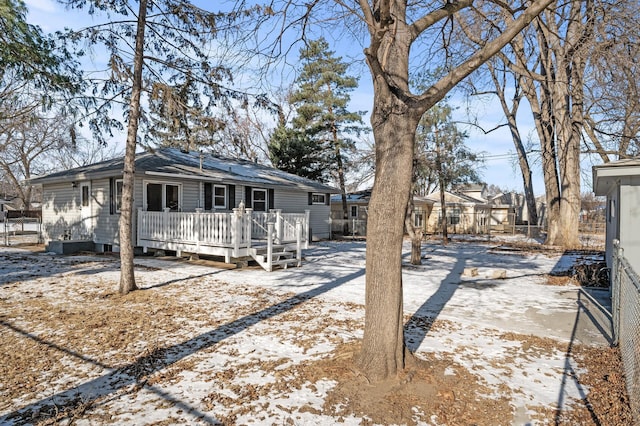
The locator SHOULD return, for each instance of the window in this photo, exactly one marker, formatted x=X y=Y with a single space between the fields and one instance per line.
x=220 y=197
x=118 y=195
x=259 y=200
x=171 y=197
x=162 y=195
x=215 y=196
x=85 y=195
x=417 y=219
x=454 y=216
x=319 y=198
x=154 y=197
x=354 y=211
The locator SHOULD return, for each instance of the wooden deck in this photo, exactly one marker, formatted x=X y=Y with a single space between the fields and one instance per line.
x=272 y=239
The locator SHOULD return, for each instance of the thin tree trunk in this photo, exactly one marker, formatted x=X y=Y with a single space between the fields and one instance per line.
x=523 y=161
x=415 y=233
x=127 y=276
x=339 y=163
x=343 y=188
x=443 y=214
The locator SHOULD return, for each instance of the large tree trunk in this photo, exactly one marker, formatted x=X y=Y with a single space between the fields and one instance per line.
x=395 y=117
x=383 y=343
x=543 y=115
x=383 y=350
x=127 y=276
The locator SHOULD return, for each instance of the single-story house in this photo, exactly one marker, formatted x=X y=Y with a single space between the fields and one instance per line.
x=173 y=187
x=619 y=181
x=471 y=210
x=357 y=209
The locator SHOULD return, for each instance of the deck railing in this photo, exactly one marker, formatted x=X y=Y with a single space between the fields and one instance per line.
x=234 y=229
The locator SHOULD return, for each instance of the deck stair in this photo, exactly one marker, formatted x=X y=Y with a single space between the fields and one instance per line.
x=281 y=256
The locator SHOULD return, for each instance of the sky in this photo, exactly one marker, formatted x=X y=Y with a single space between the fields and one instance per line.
x=500 y=166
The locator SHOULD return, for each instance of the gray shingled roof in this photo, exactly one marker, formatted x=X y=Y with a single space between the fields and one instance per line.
x=171 y=161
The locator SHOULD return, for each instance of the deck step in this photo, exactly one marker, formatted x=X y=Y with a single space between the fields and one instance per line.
x=285 y=262
x=281 y=258
x=263 y=249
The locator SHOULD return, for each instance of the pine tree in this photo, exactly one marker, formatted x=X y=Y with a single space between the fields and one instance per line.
x=320 y=102
x=293 y=151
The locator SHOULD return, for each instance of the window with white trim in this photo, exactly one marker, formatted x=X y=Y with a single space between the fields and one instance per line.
x=318 y=198
x=215 y=196
x=118 y=195
x=219 y=196
x=259 y=200
x=354 y=211
x=418 y=217
x=159 y=196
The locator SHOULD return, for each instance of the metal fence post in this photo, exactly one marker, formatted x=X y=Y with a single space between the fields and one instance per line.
x=615 y=291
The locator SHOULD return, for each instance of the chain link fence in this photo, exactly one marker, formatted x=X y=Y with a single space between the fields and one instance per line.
x=626 y=323
x=20 y=227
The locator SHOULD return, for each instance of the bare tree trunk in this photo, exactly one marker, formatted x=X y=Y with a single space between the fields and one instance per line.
x=443 y=214
x=395 y=117
x=340 y=171
x=415 y=232
x=343 y=188
x=383 y=350
x=127 y=276
x=523 y=161
x=543 y=114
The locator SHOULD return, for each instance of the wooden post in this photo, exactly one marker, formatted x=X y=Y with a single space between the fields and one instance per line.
x=165 y=224
x=235 y=231
x=279 y=226
x=307 y=215
x=138 y=228
x=248 y=217
x=198 y=227
x=299 y=242
x=269 y=246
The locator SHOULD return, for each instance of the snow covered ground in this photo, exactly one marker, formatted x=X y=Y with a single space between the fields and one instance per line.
x=201 y=345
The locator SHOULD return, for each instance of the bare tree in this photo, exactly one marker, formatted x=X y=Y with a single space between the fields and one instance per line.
x=394 y=29
x=26 y=140
x=612 y=87
x=500 y=76
x=159 y=51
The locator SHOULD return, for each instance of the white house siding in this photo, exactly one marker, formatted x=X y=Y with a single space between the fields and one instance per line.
x=298 y=202
x=106 y=223
x=61 y=212
x=190 y=195
x=630 y=218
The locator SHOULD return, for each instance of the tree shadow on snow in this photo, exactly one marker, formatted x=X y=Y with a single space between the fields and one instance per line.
x=129 y=375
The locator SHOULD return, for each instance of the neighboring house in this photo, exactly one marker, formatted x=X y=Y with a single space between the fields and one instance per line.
x=619 y=181
x=471 y=210
x=84 y=203
x=357 y=209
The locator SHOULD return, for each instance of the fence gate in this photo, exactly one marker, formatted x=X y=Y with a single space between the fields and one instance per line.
x=626 y=323
x=20 y=227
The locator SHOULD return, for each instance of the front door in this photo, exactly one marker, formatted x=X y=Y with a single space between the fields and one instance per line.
x=85 y=210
